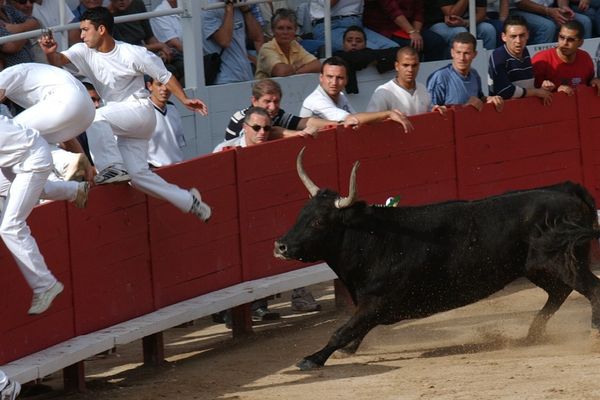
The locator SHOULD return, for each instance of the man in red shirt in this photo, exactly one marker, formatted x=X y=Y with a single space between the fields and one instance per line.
x=564 y=67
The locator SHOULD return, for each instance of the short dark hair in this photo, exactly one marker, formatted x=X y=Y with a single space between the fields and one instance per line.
x=355 y=28
x=255 y=110
x=266 y=86
x=574 y=25
x=335 y=60
x=408 y=50
x=515 y=20
x=465 y=38
x=99 y=16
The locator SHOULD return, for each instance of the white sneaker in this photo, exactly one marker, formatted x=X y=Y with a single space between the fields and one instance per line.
x=76 y=169
x=111 y=174
x=199 y=208
x=10 y=391
x=81 y=198
x=42 y=301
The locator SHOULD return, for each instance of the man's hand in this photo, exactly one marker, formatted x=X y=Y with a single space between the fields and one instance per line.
x=416 y=41
x=440 y=109
x=583 y=5
x=566 y=89
x=352 y=121
x=475 y=102
x=399 y=117
x=196 y=105
x=497 y=101
x=47 y=44
x=543 y=94
x=454 y=20
x=548 y=85
x=557 y=15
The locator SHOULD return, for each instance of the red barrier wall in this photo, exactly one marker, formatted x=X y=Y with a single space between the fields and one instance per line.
x=127 y=254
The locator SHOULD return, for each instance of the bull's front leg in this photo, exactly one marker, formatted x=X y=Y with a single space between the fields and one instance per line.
x=353 y=331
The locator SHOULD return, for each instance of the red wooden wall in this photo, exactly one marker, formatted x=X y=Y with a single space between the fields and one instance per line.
x=127 y=254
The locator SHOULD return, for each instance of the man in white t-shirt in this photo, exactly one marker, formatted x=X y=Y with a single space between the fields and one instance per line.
x=167 y=139
x=403 y=92
x=116 y=70
x=25 y=160
x=328 y=100
x=167 y=28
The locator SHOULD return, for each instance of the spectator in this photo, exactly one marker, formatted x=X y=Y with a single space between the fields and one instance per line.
x=267 y=94
x=565 y=66
x=328 y=100
x=358 y=56
x=544 y=18
x=591 y=9
x=402 y=21
x=403 y=93
x=128 y=114
x=168 y=138
x=344 y=13
x=140 y=33
x=167 y=28
x=447 y=18
x=283 y=55
x=510 y=73
x=497 y=12
x=225 y=31
x=457 y=83
x=9 y=389
x=13 y=21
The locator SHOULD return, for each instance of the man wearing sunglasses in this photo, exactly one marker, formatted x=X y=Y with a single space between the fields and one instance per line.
x=562 y=68
x=256 y=130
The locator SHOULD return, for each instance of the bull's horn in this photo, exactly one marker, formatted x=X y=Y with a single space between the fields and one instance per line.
x=310 y=186
x=344 y=202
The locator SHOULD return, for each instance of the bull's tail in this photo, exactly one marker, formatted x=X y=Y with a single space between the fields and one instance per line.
x=560 y=241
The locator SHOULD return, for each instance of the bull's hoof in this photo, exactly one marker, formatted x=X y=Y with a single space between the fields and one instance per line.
x=306 y=365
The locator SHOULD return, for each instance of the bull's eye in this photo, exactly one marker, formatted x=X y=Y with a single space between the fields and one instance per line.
x=316 y=223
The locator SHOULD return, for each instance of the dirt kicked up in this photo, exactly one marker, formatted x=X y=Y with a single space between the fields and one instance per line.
x=474 y=352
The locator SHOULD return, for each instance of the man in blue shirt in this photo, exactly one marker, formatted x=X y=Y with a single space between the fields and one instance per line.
x=457 y=83
x=510 y=72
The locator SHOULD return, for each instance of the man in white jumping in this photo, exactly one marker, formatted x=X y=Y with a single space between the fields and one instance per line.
x=116 y=70
x=25 y=160
x=58 y=106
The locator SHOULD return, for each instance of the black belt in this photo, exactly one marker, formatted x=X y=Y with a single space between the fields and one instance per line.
x=336 y=17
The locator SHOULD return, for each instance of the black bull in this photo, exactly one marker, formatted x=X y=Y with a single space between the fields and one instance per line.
x=411 y=262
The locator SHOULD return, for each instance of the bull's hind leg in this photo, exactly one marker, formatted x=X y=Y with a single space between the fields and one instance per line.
x=349 y=334
x=557 y=294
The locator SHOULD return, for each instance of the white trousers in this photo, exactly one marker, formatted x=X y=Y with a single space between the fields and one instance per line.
x=28 y=179
x=60 y=116
x=132 y=122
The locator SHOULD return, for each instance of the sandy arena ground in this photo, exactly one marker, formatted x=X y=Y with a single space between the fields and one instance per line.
x=474 y=352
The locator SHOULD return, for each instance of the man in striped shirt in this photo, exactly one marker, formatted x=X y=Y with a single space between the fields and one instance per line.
x=510 y=73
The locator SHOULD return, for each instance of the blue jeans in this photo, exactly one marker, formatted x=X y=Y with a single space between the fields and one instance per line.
x=485 y=32
x=544 y=30
x=339 y=26
x=593 y=13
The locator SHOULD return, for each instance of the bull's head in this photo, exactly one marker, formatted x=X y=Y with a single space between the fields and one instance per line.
x=320 y=221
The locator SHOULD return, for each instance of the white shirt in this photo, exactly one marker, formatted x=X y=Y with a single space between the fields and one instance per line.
x=118 y=74
x=15 y=142
x=342 y=7
x=390 y=95
x=239 y=141
x=168 y=138
x=28 y=83
x=48 y=15
x=166 y=27
x=319 y=104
